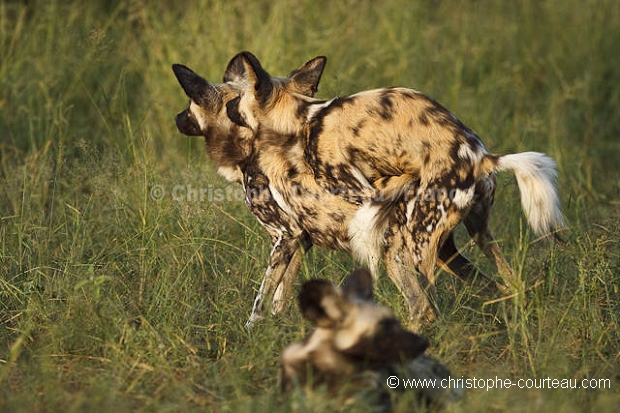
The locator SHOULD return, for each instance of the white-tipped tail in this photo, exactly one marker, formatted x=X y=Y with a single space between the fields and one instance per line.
x=536 y=175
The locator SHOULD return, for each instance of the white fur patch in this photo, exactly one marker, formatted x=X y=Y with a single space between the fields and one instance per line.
x=365 y=239
x=196 y=111
x=462 y=198
x=231 y=173
x=410 y=207
x=314 y=109
x=443 y=211
x=247 y=100
x=359 y=176
x=363 y=324
x=299 y=352
x=465 y=152
x=277 y=196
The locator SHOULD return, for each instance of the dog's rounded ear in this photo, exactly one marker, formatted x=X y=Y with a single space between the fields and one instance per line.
x=322 y=303
x=235 y=71
x=306 y=78
x=196 y=87
x=245 y=68
x=358 y=285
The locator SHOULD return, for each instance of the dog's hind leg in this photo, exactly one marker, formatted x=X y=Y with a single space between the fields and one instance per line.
x=285 y=251
x=431 y=218
x=477 y=224
x=451 y=259
x=481 y=234
x=401 y=269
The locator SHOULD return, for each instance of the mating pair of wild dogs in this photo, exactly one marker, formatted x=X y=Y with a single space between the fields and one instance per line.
x=369 y=162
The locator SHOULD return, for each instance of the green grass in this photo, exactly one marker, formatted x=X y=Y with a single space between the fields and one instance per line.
x=112 y=300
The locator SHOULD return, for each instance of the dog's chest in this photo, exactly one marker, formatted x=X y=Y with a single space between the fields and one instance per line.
x=290 y=196
x=262 y=204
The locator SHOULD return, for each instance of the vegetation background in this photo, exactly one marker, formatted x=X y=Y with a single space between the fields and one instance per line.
x=128 y=267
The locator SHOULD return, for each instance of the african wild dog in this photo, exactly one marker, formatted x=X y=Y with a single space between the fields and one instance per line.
x=229 y=145
x=400 y=144
x=354 y=337
x=231 y=148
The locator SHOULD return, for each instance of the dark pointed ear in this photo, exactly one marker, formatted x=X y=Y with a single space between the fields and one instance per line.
x=245 y=68
x=307 y=77
x=358 y=285
x=196 y=88
x=322 y=303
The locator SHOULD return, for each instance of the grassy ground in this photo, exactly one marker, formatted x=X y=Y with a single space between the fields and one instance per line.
x=128 y=268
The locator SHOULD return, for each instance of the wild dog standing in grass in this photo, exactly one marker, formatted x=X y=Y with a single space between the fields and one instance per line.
x=354 y=336
x=393 y=140
x=231 y=148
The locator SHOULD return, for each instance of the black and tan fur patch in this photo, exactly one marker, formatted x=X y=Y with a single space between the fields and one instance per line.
x=384 y=148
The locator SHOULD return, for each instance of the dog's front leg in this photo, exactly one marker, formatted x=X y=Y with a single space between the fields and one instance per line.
x=285 y=287
x=284 y=263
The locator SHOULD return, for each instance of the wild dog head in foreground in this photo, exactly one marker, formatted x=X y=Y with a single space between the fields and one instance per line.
x=353 y=337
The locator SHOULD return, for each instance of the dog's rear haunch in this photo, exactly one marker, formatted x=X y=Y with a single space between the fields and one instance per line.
x=357 y=344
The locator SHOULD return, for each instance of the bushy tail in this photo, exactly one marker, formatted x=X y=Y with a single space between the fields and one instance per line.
x=536 y=175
